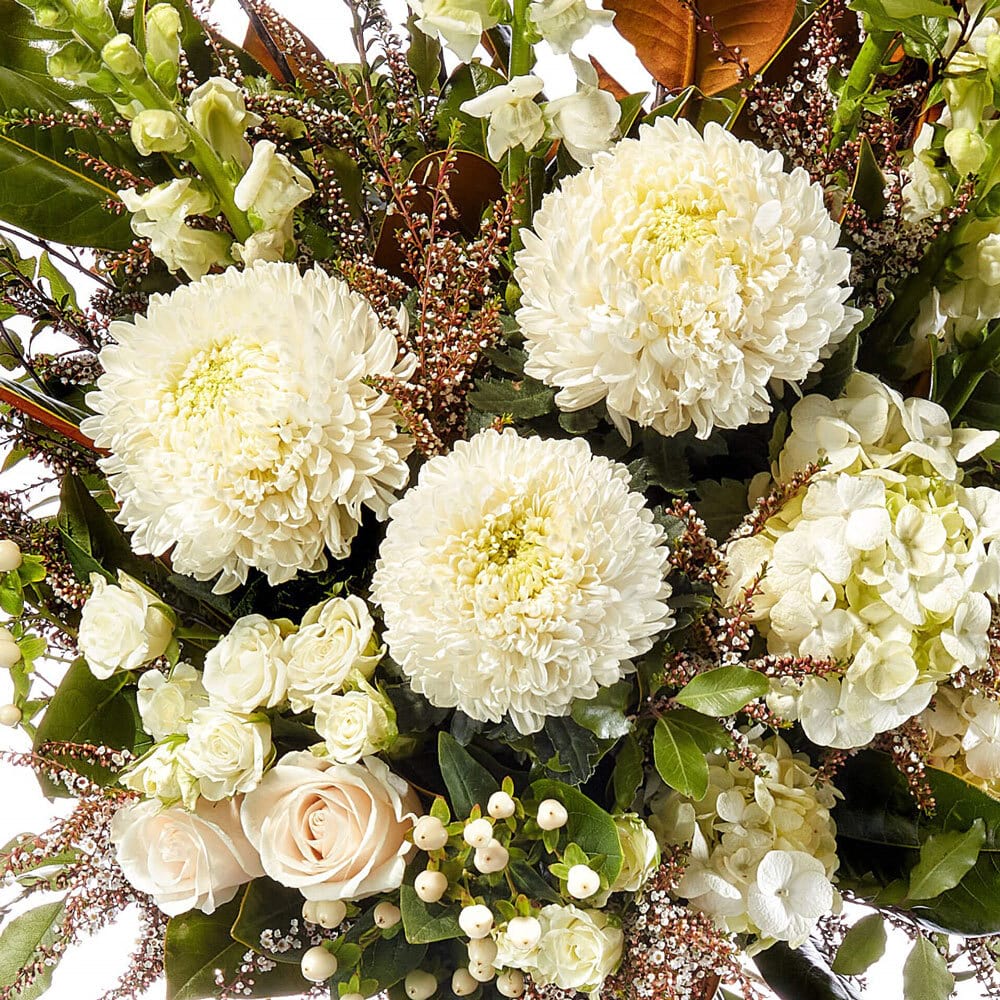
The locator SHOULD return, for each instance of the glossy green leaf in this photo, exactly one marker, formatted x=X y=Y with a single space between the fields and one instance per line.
x=945 y=859
x=862 y=947
x=423 y=922
x=679 y=760
x=628 y=774
x=801 y=974
x=604 y=714
x=423 y=56
x=722 y=505
x=723 y=691
x=925 y=973
x=709 y=734
x=21 y=938
x=266 y=905
x=468 y=782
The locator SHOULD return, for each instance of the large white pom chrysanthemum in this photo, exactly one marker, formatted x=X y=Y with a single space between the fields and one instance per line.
x=240 y=428
x=518 y=575
x=678 y=277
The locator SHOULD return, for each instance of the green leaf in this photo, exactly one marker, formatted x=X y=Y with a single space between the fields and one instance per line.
x=576 y=751
x=526 y=879
x=197 y=945
x=19 y=944
x=925 y=973
x=801 y=974
x=588 y=825
x=468 y=81
x=604 y=714
x=266 y=905
x=423 y=56
x=723 y=691
x=524 y=399
x=423 y=922
x=628 y=774
x=945 y=859
x=664 y=461
x=722 y=505
x=862 y=947
x=679 y=761
x=706 y=732
x=389 y=960
x=468 y=782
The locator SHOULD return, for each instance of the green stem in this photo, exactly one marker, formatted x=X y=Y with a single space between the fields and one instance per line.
x=522 y=59
x=977 y=364
x=867 y=66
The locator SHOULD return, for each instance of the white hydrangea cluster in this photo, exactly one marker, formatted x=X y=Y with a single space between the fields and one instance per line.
x=964 y=732
x=763 y=847
x=679 y=278
x=884 y=563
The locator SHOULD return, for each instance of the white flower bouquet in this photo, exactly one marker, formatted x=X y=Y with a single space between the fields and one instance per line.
x=467 y=541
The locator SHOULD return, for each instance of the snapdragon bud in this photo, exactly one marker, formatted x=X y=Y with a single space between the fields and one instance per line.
x=10 y=715
x=217 y=109
x=430 y=886
x=552 y=815
x=74 y=62
x=420 y=985
x=156 y=131
x=476 y=921
x=123 y=59
x=163 y=45
x=318 y=965
x=500 y=805
x=478 y=833
x=330 y=913
x=48 y=14
x=462 y=983
x=966 y=150
x=95 y=16
x=429 y=833
x=353 y=996
x=387 y=915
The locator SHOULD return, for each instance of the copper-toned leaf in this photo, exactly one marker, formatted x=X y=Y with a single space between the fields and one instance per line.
x=263 y=43
x=607 y=82
x=46 y=411
x=677 y=54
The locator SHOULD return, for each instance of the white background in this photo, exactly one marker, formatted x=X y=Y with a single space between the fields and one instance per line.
x=87 y=971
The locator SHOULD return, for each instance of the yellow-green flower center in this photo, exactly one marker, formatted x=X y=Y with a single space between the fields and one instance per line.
x=209 y=377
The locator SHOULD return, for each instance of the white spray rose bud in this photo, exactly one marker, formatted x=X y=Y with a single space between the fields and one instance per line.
x=355 y=724
x=161 y=774
x=247 y=669
x=225 y=752
x=430 y=886
x=640 y=853
x=156 y=131
x=318 y=965
x=500 y=805
x=122 y=627
x=476 y=921
x=514 y=117
x=988 y=259
x=578 y=950
x=478 y=832
x=459 y=23
x=218 y=111
x=166 y=705
x=429 y=833
x=123 y=59
x=271 y=189
x=420 y=985
x=552 y=814
x=966 y=149
x=563 y=22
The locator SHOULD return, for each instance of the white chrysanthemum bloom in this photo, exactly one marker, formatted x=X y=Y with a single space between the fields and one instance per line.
x=735 y=831
x=167 y=704
x=884 y=563
x=678 y=278
x=518 y=575
x=964 y=732
x=241 y=427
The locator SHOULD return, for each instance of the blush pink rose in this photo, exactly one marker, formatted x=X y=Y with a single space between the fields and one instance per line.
x=332 y=831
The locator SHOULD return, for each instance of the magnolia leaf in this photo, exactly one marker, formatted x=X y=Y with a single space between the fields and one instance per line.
x=945 y=859
x=723 y=691
x=925 y=973
x=19 y=944
x=862 y=947
x=678 y=55
x=679 y=760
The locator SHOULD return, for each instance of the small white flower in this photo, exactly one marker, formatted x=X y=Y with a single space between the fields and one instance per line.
x=247 y=668
x=514 y=117
x=459 y=23
x=271 y=189
x=122 y=627
x=640 y=853
x=564 y=22
x=578 y=949
x=790 y=894
x=586 y=121
x=225 y=752
x=217 y=109
x=354 y=724
x=968 y=638
x=167 y=704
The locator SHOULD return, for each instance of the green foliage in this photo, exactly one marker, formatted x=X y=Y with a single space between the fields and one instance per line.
x=604 y=714
x=925 y=973
x=721 y=505
x=862 y=947
x=706 y=732
x=523 y=399
x=267 y=905
x=468 y=81
x=945 y=859
x=423 y=57
x=468 y=782
x=628 y=774
x=723 y=691
x=19 y=943
x=424 y=923
x=800 y=973
x=679 y=760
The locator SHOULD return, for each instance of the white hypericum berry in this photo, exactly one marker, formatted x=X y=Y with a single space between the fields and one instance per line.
x=330 y=913
x=481 y=972
x=309 y=911
x=429 y=833
x=462 y=983
x=478 y=833
x=353 y=996
x=10 y=556
x=420 y=985
x=318 y=965
x=491 y=858
x=386 y=915
x=476 y=921
x=9 y=654
x=10 y=715
x=500 y=805
x=430 y=886
x=482 y=951
x=582 y=882
x=552 y=814
x=510 y=983
x=524 y=932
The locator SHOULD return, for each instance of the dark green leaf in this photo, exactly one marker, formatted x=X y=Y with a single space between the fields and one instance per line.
x=723 y=691
x=389 y=960
x=664 y=461
x=576 y=750
x=468 y=782
x=801 y=974
x=628 y=774
x=679 y=761
x=604 y=714
x=423 y=922
x=721 y=505
x=527 y=880
x=945 y=859
x=423 y=57
x=523 y=399
x=19 y=943
x=925 y=973
x=266 y=905
x=706 y=732
x=862 y=947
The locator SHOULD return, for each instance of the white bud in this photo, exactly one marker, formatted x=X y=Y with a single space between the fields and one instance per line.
x=476 y=920
x=318 y=965
x=330 y=913
x=429 y=833
x=353 y=996
x=478 y=833
x=9 y=654
x=462 y=983
x=481 y=972
x=582 y=881
x=10 y=715
x=524 y=932
x=491 y=858
x=10 y=556
x=510 y=983
x=430 y=886
x=552 y=815
x=420 y=985
x=482 y=951
x=386 y=915
x=309 y=911
x=500 y=806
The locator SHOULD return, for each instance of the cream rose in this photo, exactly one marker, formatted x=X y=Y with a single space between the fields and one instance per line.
x=161 y=774
x=247 y=669
x=578 y=949
x=336 y=638
x=353 y=724
x=226 y=752
x=122 y=627
x=332 y=831
x=640 y=853
x=184 y=860
x=167 y=704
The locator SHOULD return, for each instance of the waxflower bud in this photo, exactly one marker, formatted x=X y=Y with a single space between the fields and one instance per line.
x=510 y=983
x=491 y=858
x=9 y=654
x=430 y=886
x=155 y=131
x=552 y=814
x=420 y=985
x=10 y=715
x=462 y=983
x=123 y=59
x=582 y=881
x=10 y=556
x=478 y=833
x=318 y=965
x=386 y=915
x=476 y=921
x=524 y=932
x=163 y=44
x=500 y=805
x=330 y=913
x=429 y=833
